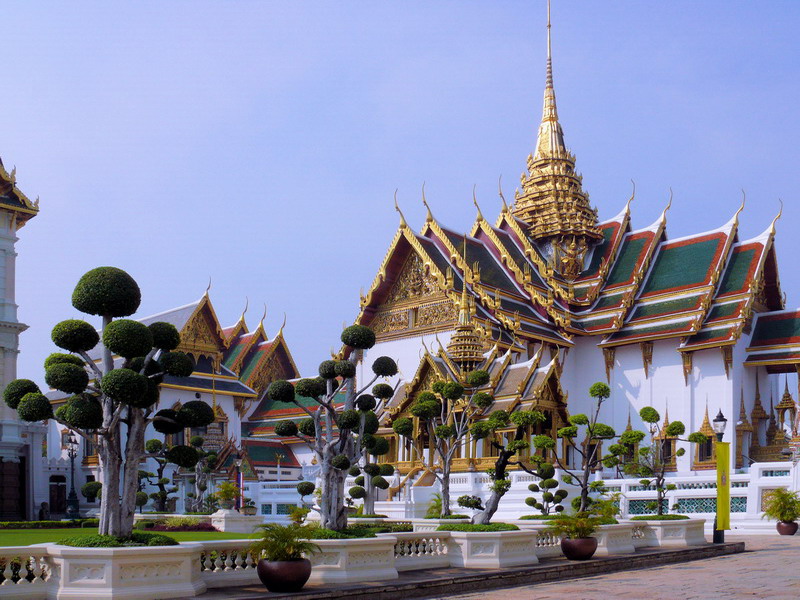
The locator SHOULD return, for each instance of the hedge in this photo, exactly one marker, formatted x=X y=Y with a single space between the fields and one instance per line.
x=659 y=517
x=49 y=524
x=477 y=528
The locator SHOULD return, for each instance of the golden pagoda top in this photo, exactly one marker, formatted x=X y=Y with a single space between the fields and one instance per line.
x=466 y=346
x=552 y=201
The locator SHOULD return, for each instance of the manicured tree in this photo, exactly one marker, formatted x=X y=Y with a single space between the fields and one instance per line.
x=588 y=448
x=90 y=490
x=337 y=435
x=446 y=414
x=652 y=462
x=552 y=498
x=104 y=397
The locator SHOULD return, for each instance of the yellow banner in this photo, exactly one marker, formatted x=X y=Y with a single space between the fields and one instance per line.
x=723 y=450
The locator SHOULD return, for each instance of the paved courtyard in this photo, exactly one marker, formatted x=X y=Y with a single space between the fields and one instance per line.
x=769 y=569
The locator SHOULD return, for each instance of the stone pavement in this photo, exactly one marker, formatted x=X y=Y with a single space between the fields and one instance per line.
x=769 y=569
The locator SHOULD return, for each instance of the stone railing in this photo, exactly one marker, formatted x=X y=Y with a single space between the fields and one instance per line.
x=227 y=562
x=548 y=544
x=413 y=551
x=24 y=572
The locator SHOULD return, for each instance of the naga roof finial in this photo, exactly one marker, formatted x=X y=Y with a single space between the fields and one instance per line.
x=429 y=216
x=246 y=306
x=777 y=217
x=400 y=212
x=633 y=195
x=475 y=202
x=208 y=289
x=500 y=193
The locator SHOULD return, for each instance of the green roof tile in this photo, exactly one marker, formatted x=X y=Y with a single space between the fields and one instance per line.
x=682 y=265
x=665 y=308
x=626 y=263
x=735 y=278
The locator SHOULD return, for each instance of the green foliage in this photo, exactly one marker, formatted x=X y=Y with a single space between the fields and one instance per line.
x=782 y=505
x=357 y=492
x=125 y=385
x=517 y=445
x=196 y=441
x=631 y=437
x=473 y=502
x=452 y=390
x=579 y=419
x=18 y=389
x=697 y=438
x=327 y=369
x=340 y=462
x=177 y=364
x=382 y=391
x=546 y=470
x=482 y=400
x=600 y=390
x=107 y=291
x=307 y=427
x=386 y=470
x=477 y=528
x=305 y=488
x=34 y=406
x=354 y=470
x=358 y=336
x=675 y=429
x=153 y=446
x=141 y=499
x=368 y=440
x=166 y=421
x=525 y=418
x=545 y=442
x=281 y=391
x=136 y=538
x=372 y=469
x=569 y=432
x=577 y=526
x=434 y=509
x=480 y=430
x=379 y=482
x=381 y=447
x=165 y=336
x=360 y=480
x=128 y=338
x=444 y=431
x=68 y=378
x=91 y=489
x=478 y=378
x=680 y=452
x=227 y=491
x=284 y=542
x=286 y=429
x=349 y=419
x=500 y=486
x=601 y=431
x=649 y=415
x=371 y=423
x=437 y=387
x=366 y=402
x=81 y=412
x=183 y=456
x=74 y=335
x=659 y=518
x=425 y=410
x=403 y=426
x=345 y=369
x=384 y=367
x=196 y=414
x=427 y=397
x=310 y=387
x=57 y=358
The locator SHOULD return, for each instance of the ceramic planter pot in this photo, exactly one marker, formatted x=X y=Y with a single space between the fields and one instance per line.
x=227 y=504
x=248 y=510
x=786 y=527
x=579 y=548
x=284 y=576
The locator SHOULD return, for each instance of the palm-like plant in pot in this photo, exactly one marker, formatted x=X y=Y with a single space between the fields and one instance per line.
x=783 y=506
x=227 y=493
x=282 y=551
x=576 y=532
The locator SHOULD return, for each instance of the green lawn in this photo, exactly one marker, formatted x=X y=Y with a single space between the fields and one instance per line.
x=26 y=537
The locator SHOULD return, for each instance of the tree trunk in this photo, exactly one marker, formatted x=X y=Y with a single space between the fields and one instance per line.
x=445 y=481
x=485 y=516
x=134 y=450
x=109 y=493
x=333 y=514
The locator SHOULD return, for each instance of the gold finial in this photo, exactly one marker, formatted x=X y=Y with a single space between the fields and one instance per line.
x=500 y=192
x=777 y=217
x=549 y=50
x=429 y=216
x=475 y=202
x=246 y=306
x=741 y=208
x=280 y=331
x=400 y=212
x=669 y=205
x=633 y=195
x=263 y=316
x=208 y=289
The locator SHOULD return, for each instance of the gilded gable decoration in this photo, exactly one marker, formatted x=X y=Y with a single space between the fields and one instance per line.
x=609 y=355
x=686 y=357
x=647 y=356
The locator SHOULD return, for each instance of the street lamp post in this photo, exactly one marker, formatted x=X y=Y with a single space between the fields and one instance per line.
x=73 y=507
x=238 y=463
x=722 y=451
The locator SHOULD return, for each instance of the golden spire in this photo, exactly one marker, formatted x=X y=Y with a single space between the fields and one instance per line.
x=552 y=201
x=465 y=347
x=744 y=423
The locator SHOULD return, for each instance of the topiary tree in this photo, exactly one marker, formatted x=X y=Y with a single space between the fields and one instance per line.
x=90 y=490
x=588 y=448
x=552 y=498
x=338 y=435
x=107 y=394
x=651 y=462
x=445 y=414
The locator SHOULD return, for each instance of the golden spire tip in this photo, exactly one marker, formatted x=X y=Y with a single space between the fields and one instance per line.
x=429 y=216
x=475 y=202
x=246 y=306
x=400 y=212
x=500 y=193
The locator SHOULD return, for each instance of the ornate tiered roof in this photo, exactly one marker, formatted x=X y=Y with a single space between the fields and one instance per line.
x=12 y=199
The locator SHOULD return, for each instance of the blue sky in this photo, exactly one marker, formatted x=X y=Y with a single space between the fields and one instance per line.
x=260 y=143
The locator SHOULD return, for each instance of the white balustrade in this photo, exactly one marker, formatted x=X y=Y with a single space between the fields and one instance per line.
x=414 y=551
x=24 y=571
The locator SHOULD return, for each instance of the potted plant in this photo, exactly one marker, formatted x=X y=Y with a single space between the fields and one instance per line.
x=282 y=550
x=249 y=507
x=576 y=532
x=783 y=506
x=227 y=493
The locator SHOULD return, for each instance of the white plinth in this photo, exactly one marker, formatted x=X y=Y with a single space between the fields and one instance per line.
x=235 y=522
